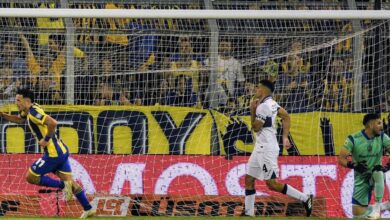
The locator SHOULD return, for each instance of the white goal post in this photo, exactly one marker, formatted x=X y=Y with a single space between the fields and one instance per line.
x=116 y=71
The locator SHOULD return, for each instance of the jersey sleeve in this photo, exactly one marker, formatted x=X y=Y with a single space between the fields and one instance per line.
x=262 y=112
x=386 y=140
x=277 y=106
x=37 y=115
x=349 y=143
x=23 y=114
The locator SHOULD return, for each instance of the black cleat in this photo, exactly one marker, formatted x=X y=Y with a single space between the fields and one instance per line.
x=244 y=214
x=309 y=205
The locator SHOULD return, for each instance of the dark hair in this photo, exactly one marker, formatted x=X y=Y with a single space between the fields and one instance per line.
x=270 y=85
x=26 y=93
x=370 y=116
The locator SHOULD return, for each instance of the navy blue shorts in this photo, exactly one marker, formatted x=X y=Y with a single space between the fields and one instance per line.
x=47 y=164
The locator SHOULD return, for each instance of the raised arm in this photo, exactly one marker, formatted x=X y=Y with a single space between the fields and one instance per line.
x=26 y=45
x=30 y=59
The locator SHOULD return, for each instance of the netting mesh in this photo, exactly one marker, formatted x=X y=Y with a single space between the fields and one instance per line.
x=155 y=105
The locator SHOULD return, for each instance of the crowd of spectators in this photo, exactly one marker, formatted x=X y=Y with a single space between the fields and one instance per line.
x=167 y=62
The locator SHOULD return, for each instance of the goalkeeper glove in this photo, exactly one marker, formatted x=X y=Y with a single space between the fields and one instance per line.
x=386 y=167
x=378 y=168
x=360 y=166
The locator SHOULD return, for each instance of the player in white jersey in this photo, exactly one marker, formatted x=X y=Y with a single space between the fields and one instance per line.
x=263 y=162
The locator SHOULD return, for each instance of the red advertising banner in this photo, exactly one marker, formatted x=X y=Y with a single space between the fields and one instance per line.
x=189 y=178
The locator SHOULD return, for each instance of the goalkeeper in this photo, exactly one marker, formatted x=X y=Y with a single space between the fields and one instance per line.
x=366 y=148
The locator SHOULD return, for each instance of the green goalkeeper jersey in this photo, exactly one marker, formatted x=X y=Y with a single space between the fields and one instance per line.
x=369 y=149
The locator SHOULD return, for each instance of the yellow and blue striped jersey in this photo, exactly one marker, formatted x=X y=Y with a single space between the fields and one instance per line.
x=35 y=118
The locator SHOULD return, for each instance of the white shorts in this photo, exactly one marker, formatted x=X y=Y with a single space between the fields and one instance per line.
x=263 y=165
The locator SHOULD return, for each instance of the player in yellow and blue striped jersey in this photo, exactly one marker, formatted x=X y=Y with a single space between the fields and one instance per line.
x=56 y=154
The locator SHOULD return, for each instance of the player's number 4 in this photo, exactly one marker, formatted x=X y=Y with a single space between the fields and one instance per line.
x=40 y=162
x=265 y=168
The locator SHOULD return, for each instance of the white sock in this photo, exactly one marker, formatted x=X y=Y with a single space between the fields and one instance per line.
x=296 y=194
x=385 y=205
x=250 y=205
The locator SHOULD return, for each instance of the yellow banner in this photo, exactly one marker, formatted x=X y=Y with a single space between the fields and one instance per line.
x=120 y=130
x=307 y=131
x=175 y=130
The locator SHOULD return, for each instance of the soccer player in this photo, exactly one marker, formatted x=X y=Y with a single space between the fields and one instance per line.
x=56 y=153
x=366 y=147
x=263 y=162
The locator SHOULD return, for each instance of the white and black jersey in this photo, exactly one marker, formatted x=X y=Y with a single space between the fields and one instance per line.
x=266 y=112
x=263 y=162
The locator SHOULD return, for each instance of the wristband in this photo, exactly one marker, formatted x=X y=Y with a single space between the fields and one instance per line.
x=47 y=138
x=350 y=164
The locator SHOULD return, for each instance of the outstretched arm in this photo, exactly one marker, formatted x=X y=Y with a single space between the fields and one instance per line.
x=12 y=118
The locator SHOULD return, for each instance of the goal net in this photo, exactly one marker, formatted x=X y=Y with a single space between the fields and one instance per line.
x=155 y=111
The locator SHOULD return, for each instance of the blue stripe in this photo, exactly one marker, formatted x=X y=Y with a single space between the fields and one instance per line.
x=365 y=135
x=35 y=113
x=351 y=139
x=267 y=122
x=57 y=145
x=36 y=130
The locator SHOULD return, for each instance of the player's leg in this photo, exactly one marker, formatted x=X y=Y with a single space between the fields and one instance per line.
x=64 y=172
x=253 y=173
x=361 y=197
x=36 y=173
x=379 y=189
x=276 y=186
x=271 y=173
x=286 y=189
x=250 y=194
